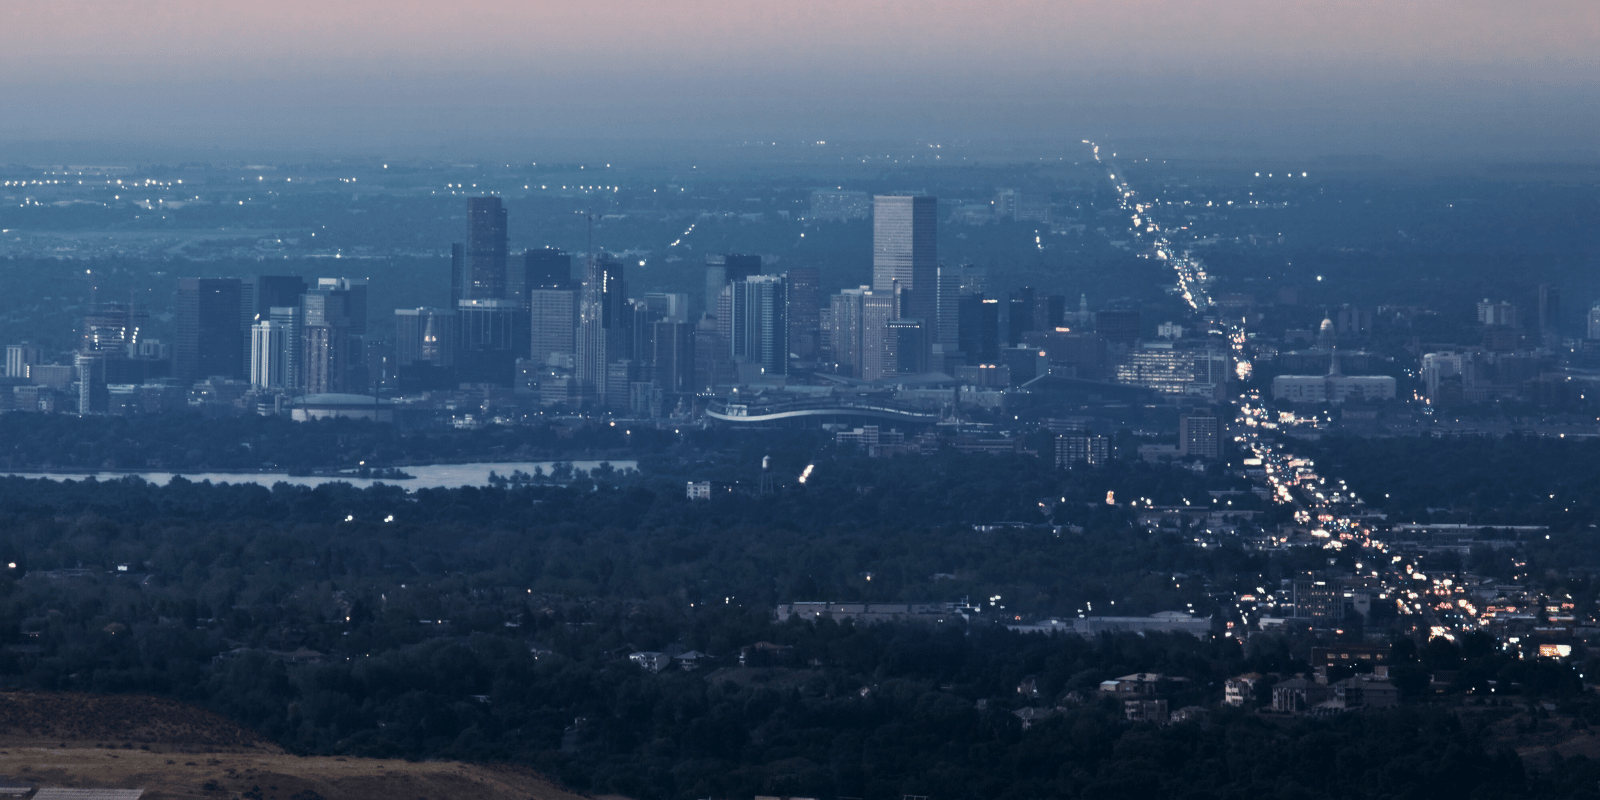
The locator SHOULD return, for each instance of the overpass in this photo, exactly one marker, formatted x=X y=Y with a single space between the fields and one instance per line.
x=737 y=413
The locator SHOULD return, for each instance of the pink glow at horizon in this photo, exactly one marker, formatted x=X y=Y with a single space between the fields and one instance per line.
x=161 y=40
x=833 y=67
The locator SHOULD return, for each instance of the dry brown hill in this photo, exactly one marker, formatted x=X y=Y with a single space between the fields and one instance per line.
x=173 y=750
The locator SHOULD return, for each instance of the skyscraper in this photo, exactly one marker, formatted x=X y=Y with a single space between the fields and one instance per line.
x=844 y=329
x=268 y=351
x=905 y=251
x=540 y=268
x=804 y=308
x=554 y=314
x=602 y=323
x=483 y=266
x=725 y=268
x=210 y=340
x=760 y=327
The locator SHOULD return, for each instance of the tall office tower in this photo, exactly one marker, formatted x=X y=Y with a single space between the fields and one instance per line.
x=905 y=252
x=1200 y=435
x=1118 y=327
x=844 y=329
x=1019 y=315
x=425 y=348
x=458 y=272
x=539 y=268
x=667 y=306
x=602 y=321
x=112 y=328
x=292 y=320
x=760 y=329
x=326 y=351
x=1049 y=311
x=91 y=374
x=880 y=356
x=905 y=347
x=338 y=299
x=265 y=292
x=492 y=335
x=672 y=354
x=711 y=364
x=268 y=351
x=209 y=341
x=554 y=315
x=1501 y=313
x=1591 y=324
x=483 y=266
x=948 y=325
x=1550 y=310
x=19 y=357
x=979 y=329
x=804 y=310
x=724 y=269
x=426 y=336
x=333 y=322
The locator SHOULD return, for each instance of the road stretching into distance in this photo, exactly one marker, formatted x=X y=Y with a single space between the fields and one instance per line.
x=1336 y=519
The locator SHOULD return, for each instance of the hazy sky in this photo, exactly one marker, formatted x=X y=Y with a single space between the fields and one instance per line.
x=1402 y=76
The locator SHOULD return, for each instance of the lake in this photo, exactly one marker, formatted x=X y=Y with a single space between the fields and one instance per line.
x=435 y=476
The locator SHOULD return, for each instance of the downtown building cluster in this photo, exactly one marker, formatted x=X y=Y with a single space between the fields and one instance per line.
x=545 y=331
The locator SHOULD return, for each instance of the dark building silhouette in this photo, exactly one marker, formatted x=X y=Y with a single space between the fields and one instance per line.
x=804 y=310
x=724 y=269
x=482 y=263
x=978 y=329
x=541 y=268
x=1118 y=327
x=209 y=340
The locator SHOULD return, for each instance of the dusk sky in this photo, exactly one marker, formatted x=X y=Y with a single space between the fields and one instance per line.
x=431 y=77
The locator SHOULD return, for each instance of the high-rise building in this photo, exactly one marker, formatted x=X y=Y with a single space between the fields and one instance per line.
x=711 y=363
x=210 y=340
x=760 y=329
x=948 y=326
x=725 y=268
x=602 y=323
x=265 y=292
x=326 y=349
x=1073 y=449
x=1500 y=314
x=672 y=356
x=113 y=328
x=491 y=336
x=804 y=306
x=844 y=329
x=880 y=356
x=484 y=266
x=540 y=268
x=1200 y=435
x=268 y=351
x=905 y=347
x=1019 y=315
x=426 y=336
x=91 y=369
x=291 y=319
x=19 y=357
x=332 y=327
x=1550 y=310
x=1118 y=327
x=905 y=252
x=978 y=329
x=667 y=306
x=554 y=314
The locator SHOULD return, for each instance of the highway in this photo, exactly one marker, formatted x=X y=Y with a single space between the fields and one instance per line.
x=1336 y=518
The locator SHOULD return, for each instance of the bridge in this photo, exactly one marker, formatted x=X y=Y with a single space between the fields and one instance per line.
x=745 y=414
